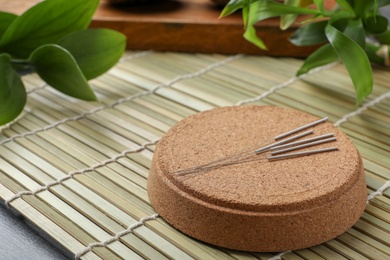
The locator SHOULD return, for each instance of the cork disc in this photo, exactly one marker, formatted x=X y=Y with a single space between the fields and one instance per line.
x=255 y=205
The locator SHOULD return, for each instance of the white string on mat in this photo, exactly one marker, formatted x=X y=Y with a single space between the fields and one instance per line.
x=115 y=158
x=44 y=85
x=379 y=191
x=337 y=123
x=357 y=112
x=279 y=256
x=273 y=89
x=152 y=217
x=80 y=171
x=122 y=100
x=362 y=108
x=285 y=84
x=342 y=120
x=116 y=237
x=155 y=216
x=126 y=58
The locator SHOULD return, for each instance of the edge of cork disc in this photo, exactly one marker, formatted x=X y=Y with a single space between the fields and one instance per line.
x=263 y=221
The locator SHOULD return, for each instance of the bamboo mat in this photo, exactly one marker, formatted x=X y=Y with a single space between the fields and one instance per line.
x=77 y=170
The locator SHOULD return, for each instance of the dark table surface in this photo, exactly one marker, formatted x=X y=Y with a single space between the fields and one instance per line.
x=19 y=241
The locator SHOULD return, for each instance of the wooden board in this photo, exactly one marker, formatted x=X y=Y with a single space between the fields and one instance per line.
x=185 y=26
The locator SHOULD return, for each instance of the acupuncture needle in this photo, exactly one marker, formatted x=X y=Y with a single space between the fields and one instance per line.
x=288 y=155
x=327 y=140
x=248 y=152
x=267 y=147
x=301 y=128
x=238 y=155
x=245 y=153
x=228 y=163
x=307 y=140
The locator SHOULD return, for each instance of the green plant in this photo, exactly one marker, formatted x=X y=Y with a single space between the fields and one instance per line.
x=353 y=32
x=52 y=39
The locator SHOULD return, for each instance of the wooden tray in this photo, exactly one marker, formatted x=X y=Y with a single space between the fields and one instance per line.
x=185 y=26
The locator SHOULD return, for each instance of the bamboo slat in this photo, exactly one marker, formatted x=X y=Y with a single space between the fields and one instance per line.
x=107 y=147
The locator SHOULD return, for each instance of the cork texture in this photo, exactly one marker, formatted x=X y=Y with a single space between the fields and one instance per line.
x=259 y=205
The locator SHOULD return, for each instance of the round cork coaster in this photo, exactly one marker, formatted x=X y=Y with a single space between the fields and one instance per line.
x=255 y=204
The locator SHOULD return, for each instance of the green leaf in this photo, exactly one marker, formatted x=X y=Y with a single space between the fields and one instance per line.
x=362 y=6
x=355 y=31
x=341 y=16
x=46 y=22
x=58 y=68
x=376 y=24
x=376 y=7
x=322 y=56
x=5 y=20
x=339 y=24
x=95 y=50
x=250 y=35
x=355 y=61
x=261 y=10
x=310 y=34
x=320 y=5
x=12 y=92
x=245 y=15
x=384 y=38
x=232 y=6
x=287 y=20
x=345 y=6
